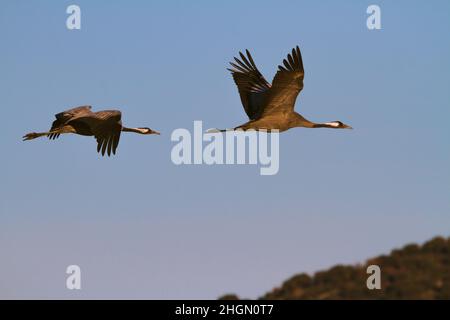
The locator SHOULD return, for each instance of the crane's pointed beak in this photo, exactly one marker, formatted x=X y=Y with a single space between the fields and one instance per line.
x=156 y=132
x=347 y=127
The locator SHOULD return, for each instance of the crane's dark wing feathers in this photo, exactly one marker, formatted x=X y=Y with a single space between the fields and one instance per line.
x=286 y=85
x=107 y=127
x=63 y=117
x=252 y=86
x=66 y=115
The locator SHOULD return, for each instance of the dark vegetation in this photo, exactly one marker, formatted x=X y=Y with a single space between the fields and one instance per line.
x=413 y=272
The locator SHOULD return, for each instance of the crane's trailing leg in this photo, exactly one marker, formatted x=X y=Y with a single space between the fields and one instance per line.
x=34 y=135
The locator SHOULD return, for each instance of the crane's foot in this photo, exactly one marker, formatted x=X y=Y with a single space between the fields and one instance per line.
x=30 y=136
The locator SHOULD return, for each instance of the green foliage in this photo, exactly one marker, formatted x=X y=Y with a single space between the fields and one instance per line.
x=229 y=296
x=413 y=272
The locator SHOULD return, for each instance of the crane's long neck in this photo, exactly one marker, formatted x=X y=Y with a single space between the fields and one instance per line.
x=135 y=130
x=332 y=125
x=300 y=121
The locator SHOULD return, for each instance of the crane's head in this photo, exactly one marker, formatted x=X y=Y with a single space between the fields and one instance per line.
x=338 y=125
x=147 y=131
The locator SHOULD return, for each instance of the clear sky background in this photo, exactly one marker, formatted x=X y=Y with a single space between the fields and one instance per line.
x=141 y=227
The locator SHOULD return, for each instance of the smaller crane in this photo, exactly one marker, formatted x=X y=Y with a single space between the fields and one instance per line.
x=106 y=126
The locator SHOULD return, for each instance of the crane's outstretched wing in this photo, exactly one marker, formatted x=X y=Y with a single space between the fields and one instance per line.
x=66 y=115
x=251 y=85
x=286 y=85
x=107 y=127
x=63 y=117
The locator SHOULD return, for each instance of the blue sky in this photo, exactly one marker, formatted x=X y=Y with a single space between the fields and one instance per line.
x=141 y=227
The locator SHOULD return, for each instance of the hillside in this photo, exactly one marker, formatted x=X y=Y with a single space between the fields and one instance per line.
x=413 y=272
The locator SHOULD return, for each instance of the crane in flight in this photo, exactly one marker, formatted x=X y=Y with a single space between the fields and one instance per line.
x=106 y=126
x=271 y=107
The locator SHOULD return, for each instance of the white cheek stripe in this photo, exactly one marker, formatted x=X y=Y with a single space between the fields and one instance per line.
x=333 y=124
